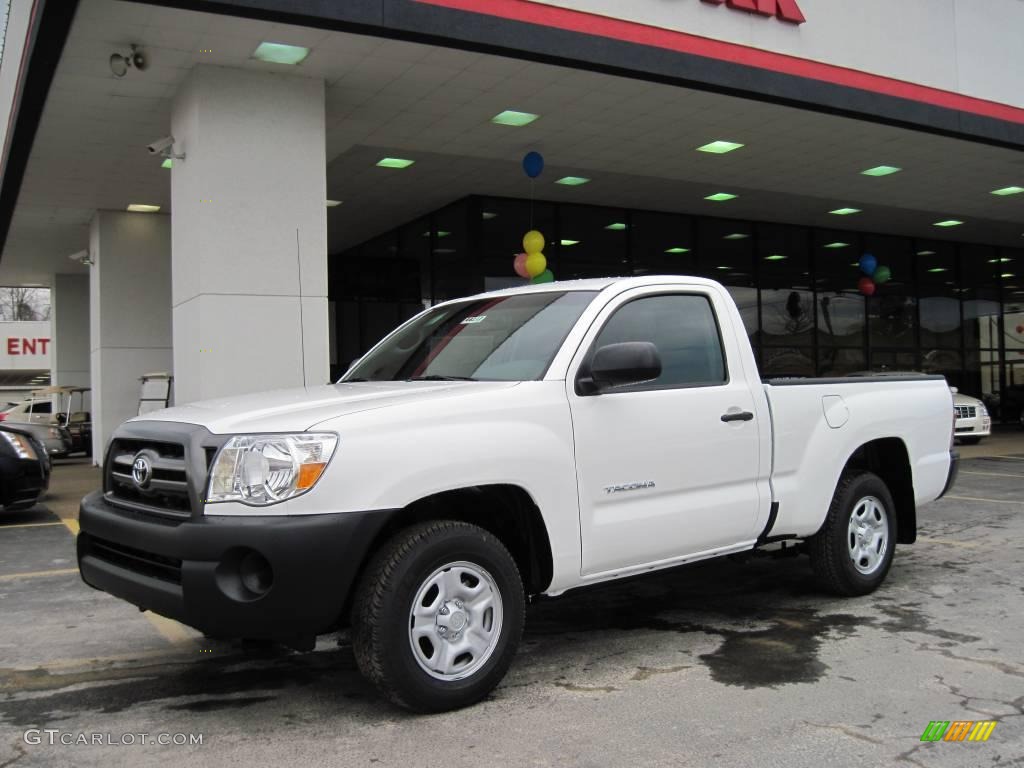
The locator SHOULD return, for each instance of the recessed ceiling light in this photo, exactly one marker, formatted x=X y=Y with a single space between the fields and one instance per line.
x=143 y=208
x=616 y=226
x=937 y=269
x=881 y=170
x=723 y=267
x=280 y=53
x=677 y=249
x=394 y=162
x=488 y=215
x=1008 y=191
x=1000 y=260
x=845 y=211
x=514 y=118
x=568 y=242
x=720 y=197
x=948 y=223
x=837 y=245
x=720 y=147
x=736 y=236
x=1007 y=275
x=926 y=253
x=440 y=233
x=776 y=257
x=573 y=181
x=333 y=203
x=167 y=163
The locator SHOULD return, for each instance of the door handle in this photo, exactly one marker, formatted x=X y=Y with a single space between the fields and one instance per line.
x=737 y=416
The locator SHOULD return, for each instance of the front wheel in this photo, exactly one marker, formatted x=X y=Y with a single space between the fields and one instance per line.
x=438 y=615
x=852 y=553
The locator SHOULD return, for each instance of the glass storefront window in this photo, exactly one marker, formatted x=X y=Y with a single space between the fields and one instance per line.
x=661 y=244
x=892 y=310
x=725 y=251
x=839 y=305
x=457 y=270
x=593 y=242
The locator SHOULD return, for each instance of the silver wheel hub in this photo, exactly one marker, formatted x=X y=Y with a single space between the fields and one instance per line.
x=455 y=621
x=868 y=535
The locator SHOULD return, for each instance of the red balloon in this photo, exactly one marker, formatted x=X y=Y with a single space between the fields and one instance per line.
x=1020 y=329
x=866 y=286
x=519 y=265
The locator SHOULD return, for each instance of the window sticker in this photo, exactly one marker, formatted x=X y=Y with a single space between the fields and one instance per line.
x=474 y=319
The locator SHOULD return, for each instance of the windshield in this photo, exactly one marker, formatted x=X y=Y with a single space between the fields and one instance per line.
x=507 y=338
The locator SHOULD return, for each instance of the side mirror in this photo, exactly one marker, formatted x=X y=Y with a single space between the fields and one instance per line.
x=619 y=365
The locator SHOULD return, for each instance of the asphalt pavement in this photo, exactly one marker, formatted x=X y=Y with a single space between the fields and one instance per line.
x=726 y=663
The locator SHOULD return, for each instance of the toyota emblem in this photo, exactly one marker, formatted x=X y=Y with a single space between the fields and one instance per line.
x=142 y=471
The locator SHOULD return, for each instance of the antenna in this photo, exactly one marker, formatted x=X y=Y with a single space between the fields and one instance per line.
x=302 y=326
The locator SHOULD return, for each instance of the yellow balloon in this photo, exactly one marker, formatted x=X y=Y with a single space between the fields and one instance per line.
x=533 y=242
x=535 y=264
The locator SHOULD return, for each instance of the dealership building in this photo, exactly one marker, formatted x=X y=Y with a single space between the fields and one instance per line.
x=249 y=193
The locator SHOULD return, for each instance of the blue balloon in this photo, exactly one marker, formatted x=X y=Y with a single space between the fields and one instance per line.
x=533 y=164
x=868 y=264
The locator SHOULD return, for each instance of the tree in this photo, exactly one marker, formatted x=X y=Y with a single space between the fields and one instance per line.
x=18 y=302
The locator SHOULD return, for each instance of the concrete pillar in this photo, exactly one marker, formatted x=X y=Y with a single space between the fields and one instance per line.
x=248 y=218
x=129 y=313
x=69 y=322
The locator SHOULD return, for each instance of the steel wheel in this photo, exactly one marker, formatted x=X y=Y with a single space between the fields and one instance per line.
x=455 y=621
x=868 y=535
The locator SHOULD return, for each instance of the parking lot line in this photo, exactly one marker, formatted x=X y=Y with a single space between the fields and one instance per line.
x=28 y=525
x=990 y=474
x=38 y=574
x=72 y=524
x=993 y=501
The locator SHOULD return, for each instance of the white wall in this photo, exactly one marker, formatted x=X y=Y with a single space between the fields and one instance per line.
x=69 y=318
x=972 y=47
x=129 y=313
x=249 y=204
x=10 y=67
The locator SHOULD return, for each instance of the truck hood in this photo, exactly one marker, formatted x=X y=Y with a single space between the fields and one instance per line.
x=299 y=409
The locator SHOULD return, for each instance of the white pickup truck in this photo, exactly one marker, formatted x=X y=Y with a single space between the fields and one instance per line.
x=518 y=443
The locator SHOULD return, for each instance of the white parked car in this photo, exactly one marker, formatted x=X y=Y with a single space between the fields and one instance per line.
x=518 y=443
x=972 y=419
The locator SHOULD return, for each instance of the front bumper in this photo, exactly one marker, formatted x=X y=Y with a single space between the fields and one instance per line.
x=22 y=481
x=979 y=426
x=203 y=573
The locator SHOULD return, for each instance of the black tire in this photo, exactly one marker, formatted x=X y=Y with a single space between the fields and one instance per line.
x=970 y=440
x=830 y=548
x=381 y=614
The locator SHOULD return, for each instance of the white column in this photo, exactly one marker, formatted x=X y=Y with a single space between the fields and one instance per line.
x=248 y=218
x=69 y=321
x=129 y=313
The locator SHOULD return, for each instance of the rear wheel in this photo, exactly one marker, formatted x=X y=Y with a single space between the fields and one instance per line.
x=438 y=615
x=853 y=551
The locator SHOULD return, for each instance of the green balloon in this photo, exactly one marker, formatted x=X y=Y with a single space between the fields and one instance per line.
x=544 y=277
x=882 y=275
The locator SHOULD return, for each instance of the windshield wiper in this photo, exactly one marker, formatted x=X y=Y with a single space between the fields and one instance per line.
x=438 y=377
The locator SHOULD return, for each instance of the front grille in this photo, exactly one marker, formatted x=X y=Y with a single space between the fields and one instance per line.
x=966 y=411
x=167 y=492
x=135 y=560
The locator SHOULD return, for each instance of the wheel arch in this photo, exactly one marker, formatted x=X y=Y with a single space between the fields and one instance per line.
x=506 y=511
x=888 y=458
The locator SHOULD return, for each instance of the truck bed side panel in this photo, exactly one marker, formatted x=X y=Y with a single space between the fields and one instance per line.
x=809 y=454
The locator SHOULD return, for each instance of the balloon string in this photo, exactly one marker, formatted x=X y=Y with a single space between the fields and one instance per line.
x=532 y=180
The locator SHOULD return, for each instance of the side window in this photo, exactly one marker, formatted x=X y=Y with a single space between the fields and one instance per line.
x=682 y=327
x=42 y=407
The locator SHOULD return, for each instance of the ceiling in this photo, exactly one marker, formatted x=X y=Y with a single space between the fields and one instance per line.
x=635 y=140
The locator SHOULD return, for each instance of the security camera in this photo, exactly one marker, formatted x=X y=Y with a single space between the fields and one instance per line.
x=160 y=145
x=82 y=257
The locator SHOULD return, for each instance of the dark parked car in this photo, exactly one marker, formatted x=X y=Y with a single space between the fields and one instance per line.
x=24 y=468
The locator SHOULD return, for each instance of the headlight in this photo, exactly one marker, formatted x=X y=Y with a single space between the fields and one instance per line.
x=983 y=410
x=21 y=445
x=264 y=469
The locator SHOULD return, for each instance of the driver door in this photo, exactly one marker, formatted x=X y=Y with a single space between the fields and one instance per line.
x=661 y=476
